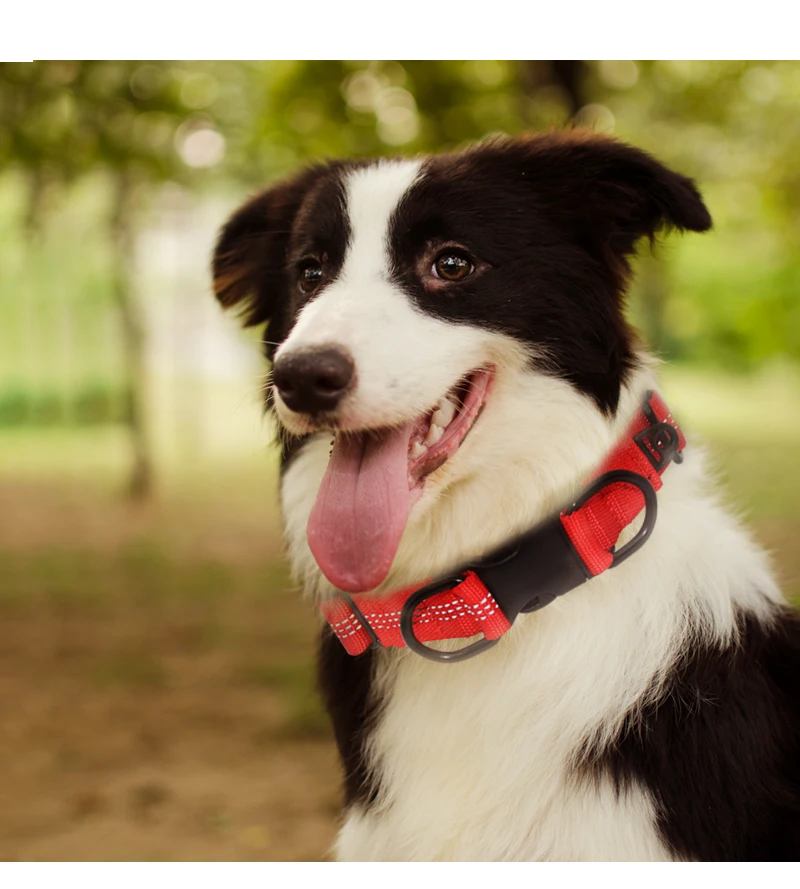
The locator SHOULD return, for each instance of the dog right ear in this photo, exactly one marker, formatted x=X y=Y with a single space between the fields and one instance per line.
x=249 y=263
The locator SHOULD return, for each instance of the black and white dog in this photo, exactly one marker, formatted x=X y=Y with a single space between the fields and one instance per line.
x=652 y=713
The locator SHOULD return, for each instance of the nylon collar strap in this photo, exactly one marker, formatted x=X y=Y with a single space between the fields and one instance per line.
x=531 y=571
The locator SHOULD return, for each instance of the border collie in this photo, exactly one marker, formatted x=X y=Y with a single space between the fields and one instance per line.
x=652 y=713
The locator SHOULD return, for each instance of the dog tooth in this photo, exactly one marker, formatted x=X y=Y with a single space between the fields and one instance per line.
x=434 y=434
x=444 y=413
x=417 y=450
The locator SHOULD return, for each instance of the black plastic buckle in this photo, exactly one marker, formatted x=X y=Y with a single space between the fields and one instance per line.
x=531 y=571
x=523 y=575
x=660 y=441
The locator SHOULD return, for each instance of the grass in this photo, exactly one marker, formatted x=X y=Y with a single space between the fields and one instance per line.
x=295 y=683
x=750 y=427
x=136 y=669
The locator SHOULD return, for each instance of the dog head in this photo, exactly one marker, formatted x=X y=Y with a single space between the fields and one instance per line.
x=409 y=302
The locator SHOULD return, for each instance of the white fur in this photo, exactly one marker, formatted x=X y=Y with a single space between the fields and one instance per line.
x=475 y=759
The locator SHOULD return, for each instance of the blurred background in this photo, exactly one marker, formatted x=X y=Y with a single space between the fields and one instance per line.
x=155 y=660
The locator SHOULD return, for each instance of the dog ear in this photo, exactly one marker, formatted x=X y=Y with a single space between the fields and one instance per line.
x=249 y=262
x=612 y=194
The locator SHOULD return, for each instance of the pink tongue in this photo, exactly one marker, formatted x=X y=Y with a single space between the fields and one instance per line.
x=361 y=509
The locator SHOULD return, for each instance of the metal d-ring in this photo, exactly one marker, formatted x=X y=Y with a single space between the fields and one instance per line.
x=407 y=624
x=650 y=506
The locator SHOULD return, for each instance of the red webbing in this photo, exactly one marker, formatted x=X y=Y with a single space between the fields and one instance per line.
x=463 y=611
x=595 y=527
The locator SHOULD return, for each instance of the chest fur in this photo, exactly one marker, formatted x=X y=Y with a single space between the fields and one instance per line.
x=482 y=766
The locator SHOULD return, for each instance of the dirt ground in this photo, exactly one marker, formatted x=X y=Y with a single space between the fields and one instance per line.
x=157 y=696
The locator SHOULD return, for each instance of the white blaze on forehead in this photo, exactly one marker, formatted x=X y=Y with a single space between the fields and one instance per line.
x=372 y=195
x=354 y=302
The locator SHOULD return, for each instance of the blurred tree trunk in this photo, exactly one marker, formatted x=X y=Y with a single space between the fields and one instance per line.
x=133 y=333
x=37 y=205
x=568 y=76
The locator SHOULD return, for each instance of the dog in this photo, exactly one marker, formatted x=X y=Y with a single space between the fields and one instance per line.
x=451 y=363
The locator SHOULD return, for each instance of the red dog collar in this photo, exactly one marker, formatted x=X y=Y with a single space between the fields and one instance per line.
x=531 y=571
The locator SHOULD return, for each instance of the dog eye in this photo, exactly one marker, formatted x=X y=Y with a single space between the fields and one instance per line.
x=453 y=266
x=310 y=275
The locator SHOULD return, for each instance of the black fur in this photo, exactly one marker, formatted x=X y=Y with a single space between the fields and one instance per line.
x=346 y=686
x=719 y=749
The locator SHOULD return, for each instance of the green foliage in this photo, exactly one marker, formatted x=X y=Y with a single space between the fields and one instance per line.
x=310 y=110
x=93 y=404
x=68 y=118
x=734 y=126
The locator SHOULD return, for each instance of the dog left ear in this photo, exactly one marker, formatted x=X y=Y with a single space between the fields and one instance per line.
x=612 y=194
x=639 y=196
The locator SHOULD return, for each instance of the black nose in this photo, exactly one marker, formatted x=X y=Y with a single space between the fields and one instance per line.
x=314 y=381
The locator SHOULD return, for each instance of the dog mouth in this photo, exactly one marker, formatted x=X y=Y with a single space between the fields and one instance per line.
x=437 y=435
x=375 y=476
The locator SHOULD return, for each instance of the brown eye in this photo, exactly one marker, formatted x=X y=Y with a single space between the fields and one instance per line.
x=453 y=267
x=310 y=275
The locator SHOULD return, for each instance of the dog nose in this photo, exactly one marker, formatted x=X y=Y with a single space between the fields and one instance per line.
x=314 y=381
